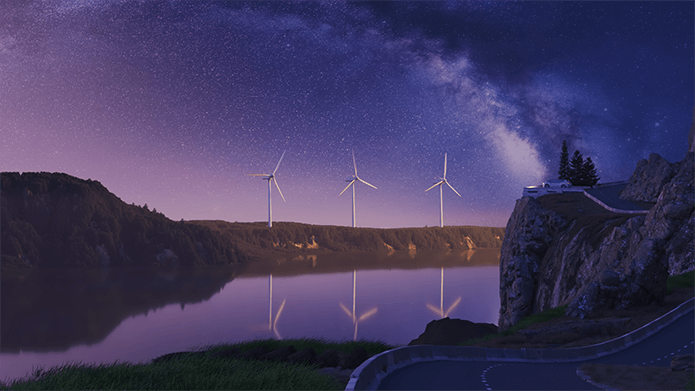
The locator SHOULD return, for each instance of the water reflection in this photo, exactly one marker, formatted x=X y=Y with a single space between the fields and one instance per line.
x=355 y=319
x=53 y=316
x=440 y=311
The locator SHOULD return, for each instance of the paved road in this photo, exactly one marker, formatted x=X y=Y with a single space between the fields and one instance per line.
x=609 y=195
x=657 y=350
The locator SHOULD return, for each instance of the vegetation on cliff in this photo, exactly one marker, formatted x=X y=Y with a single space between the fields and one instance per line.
x=256 y=238
x=56 y=220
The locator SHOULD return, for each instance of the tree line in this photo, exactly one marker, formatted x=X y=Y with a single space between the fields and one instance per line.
x=579 y=171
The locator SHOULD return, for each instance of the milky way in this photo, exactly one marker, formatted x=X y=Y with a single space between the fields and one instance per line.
x=173 y=103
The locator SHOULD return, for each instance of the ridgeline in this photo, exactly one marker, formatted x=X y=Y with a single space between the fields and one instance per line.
x=56 y=220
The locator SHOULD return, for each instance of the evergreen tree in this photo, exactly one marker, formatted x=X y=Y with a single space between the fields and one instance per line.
x=564 y=172
x=589 y=172
x=577 y=169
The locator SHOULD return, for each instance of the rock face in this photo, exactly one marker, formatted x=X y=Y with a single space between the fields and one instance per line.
x=604 y=260
x=451 y=332
x=648 y=179
x=530 y=231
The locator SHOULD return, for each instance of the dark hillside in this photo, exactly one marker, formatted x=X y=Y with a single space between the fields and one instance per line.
x=56 y=220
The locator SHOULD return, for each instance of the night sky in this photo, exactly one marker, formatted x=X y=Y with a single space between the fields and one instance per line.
x=172 y=103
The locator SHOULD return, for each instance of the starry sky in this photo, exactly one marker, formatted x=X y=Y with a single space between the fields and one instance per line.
x=172 y=103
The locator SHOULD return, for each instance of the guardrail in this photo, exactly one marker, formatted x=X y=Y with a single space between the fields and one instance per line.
x=368 y=375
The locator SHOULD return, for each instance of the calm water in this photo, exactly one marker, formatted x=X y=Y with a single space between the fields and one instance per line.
x=100 y=316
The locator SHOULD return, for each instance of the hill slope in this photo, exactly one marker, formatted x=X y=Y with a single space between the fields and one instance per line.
x=56 y=220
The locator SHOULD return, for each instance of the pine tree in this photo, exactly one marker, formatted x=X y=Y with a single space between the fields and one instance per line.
x=564 y=172
x=589 y=172
x=577 y=169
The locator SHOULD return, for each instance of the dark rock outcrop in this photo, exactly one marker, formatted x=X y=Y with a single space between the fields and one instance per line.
x=599 y=260
x=648 y=179
x=530 y=230
x=451 y=332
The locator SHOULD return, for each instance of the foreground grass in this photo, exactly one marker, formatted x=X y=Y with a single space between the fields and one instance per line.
x=629 y=377
x=198 y=372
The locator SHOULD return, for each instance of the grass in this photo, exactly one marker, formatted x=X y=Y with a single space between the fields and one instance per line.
x=685 y=280
x=199 y=372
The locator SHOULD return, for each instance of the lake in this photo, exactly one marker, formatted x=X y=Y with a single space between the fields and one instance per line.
x=50 y=317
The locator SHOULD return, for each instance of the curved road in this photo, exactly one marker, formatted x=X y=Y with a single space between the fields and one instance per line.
x=657 y=350
x=610 y=195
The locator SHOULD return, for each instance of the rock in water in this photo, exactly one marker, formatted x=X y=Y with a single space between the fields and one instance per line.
x=451 y=332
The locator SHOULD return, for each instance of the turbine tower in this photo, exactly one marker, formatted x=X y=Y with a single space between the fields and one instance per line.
x=441 y=203
x=271 y=178
x=352 y=181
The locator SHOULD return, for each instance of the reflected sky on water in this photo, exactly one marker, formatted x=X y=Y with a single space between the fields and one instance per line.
x=100 y=316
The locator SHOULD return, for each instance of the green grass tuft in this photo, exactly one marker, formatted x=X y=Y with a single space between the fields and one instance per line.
x=199 y=372
x=685 y=280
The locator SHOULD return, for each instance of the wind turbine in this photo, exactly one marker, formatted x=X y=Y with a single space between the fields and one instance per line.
x=271 y=178
x=440 y=311
x=355 y=319
x=352 y=181
x=441 y=203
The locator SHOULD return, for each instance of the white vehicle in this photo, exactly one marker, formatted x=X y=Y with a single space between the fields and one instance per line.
x=561 y=183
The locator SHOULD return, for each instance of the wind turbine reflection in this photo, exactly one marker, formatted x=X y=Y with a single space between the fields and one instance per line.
x=356 y=320
x=440 y=311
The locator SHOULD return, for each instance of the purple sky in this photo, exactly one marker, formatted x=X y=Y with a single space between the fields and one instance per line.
x=171 y=103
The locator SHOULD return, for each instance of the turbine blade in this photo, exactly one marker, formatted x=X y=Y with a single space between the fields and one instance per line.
x=346 y=310
x=276 y=167
x=433 y=186
x=445 y=165
x=452 y=188
x=368 y=314
x=278 y=186
x=453 y=305
x=346 y=187
x=368 y=184
x=258 y=174
x=434 y=309
x=353 y=162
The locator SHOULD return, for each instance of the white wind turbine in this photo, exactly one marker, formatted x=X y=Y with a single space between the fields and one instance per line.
x=352 y=181
x=355 y=319
x=441 y=203
x=440 y=311
x=271 y=178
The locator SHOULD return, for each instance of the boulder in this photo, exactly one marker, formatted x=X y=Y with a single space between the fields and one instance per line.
x=683 y=363
x=279 y=354
x=451 y=332
x=648 y=179
x=303 y=356
x=328 y=358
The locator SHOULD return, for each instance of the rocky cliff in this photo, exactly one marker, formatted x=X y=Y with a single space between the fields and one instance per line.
x=565 y=250
x=56 y=220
